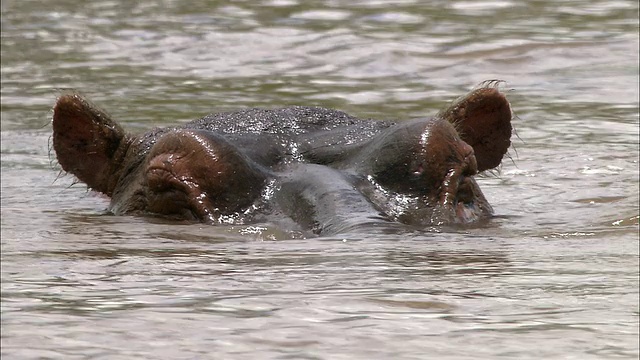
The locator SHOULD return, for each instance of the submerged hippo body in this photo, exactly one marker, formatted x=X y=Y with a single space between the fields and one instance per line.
x=321 y=169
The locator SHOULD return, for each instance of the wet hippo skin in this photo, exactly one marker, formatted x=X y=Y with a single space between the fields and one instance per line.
x=317 y=169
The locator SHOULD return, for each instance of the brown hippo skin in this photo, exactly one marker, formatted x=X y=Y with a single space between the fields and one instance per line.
x=318 y=169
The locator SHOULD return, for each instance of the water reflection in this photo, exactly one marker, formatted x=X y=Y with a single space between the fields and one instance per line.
x=434 y=263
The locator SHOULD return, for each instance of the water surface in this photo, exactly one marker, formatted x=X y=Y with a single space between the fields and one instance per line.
x=554 y=275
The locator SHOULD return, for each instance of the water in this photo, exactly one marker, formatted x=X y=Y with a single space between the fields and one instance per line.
x=554 y=275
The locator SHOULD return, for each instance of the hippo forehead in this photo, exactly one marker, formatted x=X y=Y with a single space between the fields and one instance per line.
x=288 y=120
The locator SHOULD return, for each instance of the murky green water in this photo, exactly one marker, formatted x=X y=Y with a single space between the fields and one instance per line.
x=554 y=275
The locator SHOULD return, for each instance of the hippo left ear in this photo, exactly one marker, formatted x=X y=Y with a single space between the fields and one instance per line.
x=483 y=120
x=87 y=142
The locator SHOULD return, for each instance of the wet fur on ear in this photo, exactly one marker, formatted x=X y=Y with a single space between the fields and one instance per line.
x=87 y=142
x=483 y=120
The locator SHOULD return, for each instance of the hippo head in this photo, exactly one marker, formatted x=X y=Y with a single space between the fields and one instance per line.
x=416 y=172
x=178 y=173
x=421 y=172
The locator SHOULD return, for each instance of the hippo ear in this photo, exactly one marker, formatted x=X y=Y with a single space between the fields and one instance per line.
x=87 y=142
x=483 y=120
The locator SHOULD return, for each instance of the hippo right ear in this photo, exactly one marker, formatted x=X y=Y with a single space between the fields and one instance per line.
x=87 y=142
x=483 y=120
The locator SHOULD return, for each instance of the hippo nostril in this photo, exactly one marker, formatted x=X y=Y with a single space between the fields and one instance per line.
x=465 y=190
x=160 y=179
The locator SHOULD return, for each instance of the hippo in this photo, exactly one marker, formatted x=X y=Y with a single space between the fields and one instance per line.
x=320 y=170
